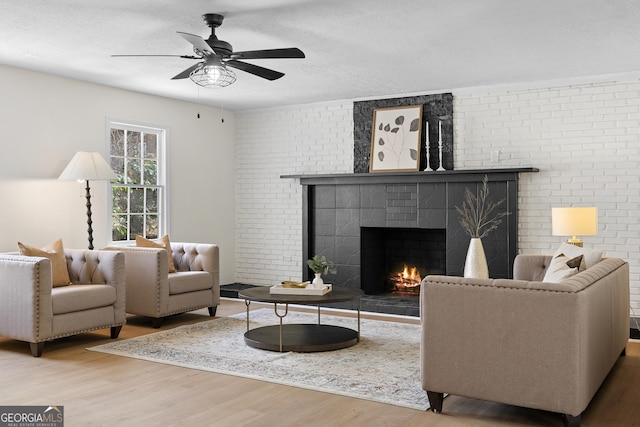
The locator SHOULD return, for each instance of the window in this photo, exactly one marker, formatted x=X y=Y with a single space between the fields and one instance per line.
x=138 y=195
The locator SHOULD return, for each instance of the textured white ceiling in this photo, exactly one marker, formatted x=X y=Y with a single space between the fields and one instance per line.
x=355 y=48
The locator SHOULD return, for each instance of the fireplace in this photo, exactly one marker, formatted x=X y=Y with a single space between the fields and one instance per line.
x=338 y=209
x=393 y=260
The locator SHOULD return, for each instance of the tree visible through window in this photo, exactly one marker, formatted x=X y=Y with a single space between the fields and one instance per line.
x=138 y=193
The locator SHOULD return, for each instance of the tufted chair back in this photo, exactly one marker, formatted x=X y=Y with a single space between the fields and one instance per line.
x=195 y=257
x=90 y=267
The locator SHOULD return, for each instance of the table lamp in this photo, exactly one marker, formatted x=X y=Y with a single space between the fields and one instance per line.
x=88 y=166
x=574 y=222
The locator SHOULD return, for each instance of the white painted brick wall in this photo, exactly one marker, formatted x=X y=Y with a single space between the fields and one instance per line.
x=314 y=139
x=585 y=139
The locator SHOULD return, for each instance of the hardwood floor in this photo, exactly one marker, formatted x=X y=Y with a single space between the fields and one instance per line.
x=98 y=389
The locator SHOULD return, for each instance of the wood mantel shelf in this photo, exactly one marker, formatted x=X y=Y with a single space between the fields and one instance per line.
x=401 y=177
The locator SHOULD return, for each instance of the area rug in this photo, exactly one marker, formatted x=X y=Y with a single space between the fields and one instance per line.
x=383 y=367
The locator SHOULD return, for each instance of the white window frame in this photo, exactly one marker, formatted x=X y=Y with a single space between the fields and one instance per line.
x=163 y=196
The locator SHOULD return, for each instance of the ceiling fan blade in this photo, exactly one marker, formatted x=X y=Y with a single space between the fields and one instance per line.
x=265 y=73
x=197 y=42
x=173 y=56
x=291 y=52
x=187 y=72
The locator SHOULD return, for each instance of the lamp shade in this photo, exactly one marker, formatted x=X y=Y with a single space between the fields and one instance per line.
x=576 y=221
x=87 y=166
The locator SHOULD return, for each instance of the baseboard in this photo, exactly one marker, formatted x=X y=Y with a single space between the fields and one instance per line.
x=634 y=332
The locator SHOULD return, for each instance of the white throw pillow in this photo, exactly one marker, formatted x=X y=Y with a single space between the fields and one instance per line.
x=591 y=257
x=562 y=267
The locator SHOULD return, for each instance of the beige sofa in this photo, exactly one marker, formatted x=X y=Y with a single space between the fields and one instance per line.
x=525 y=342
x=32 y=310
x=155 y=293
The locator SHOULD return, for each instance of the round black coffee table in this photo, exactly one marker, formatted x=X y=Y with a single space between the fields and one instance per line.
x=300 y=337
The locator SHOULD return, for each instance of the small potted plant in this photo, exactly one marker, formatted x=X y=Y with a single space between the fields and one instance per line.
x=319 y=265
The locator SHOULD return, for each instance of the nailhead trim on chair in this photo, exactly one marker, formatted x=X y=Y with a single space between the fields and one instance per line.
x=158 y=287
x=37 y=314
x=84 y=331
x=509 y=288
x=186 y=310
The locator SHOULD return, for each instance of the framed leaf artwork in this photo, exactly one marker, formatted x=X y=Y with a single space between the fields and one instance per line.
x=395 y=139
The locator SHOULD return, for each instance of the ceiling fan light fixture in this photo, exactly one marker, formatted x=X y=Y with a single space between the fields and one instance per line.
x=216 y=75
x=216 y=55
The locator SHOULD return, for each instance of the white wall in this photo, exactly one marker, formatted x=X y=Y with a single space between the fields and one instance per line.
x=46 y=119
x=583 y=138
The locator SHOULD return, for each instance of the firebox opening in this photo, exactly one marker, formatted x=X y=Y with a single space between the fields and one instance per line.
x=394 y=260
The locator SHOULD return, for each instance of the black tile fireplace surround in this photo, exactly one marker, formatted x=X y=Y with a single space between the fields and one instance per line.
x=336 y=208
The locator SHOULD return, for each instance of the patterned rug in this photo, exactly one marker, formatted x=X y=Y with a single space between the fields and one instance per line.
x=383 y=367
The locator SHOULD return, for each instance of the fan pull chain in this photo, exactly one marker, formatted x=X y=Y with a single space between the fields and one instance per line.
x=222 y=108
x=198 y=101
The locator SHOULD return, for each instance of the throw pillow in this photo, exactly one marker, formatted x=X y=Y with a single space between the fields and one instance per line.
x=163 y=244
x=561 y=268
x=575 y=262
x=591 y=257
x=55 y=252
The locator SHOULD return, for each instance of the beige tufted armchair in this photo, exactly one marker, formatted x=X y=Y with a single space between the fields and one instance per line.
x=154 y=292
x=32 y=310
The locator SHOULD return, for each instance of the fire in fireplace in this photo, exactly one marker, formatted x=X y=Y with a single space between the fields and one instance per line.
x=394 y=260
x=407 y=281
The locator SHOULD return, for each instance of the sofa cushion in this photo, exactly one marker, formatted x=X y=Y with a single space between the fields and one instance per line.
x=55 y=253
x=74 y=298
x=189 y=281
x=164 y=243
x=591 y=257
x=562 y=267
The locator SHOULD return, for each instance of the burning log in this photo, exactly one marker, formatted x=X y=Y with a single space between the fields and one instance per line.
x=406 y=281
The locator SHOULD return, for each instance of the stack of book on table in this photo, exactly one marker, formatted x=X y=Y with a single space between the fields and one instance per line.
x=299 y=288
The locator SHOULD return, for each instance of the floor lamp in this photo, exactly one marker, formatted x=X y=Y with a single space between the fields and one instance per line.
x=88 y=166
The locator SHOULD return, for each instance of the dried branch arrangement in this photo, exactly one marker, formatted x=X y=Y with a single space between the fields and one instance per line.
x=478 y=216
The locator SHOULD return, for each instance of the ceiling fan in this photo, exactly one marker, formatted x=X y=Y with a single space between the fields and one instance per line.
x=217 y=56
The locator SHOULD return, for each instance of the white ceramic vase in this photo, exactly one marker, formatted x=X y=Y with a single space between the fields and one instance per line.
x=317 y=283
x=475 y=265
